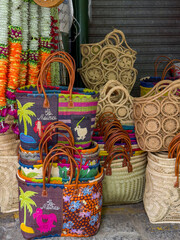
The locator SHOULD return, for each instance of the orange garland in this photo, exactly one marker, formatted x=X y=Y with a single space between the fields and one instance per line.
x=3 y=81
x=14 y=64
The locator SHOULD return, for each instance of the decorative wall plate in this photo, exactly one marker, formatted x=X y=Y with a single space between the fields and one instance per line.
x=48 y=3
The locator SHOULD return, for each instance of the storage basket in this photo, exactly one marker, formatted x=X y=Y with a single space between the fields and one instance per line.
x=161 y=198
x=124 y=187
x=110 y=59
x=72 y=209
x=8 y=184
x=49 y=3
x=157 y=116
x=116 y=99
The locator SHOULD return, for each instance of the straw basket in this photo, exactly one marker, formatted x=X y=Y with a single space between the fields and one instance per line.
x=157 y=116
x=161 y=198
x=124 y=187
x=49 y=3
x=110 y=59
x=8 y=184
x=115 y=98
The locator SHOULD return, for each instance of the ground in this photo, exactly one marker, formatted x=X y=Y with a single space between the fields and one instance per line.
x=124 y=222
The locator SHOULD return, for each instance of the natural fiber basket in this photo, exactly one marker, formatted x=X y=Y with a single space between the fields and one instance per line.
x=110 y=59
x=8 y=184
x=157 y=116
x=115 y=98
x=123 y=187
x=161 y=198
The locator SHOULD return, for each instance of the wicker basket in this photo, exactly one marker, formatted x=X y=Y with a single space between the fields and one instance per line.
x=161 y=198
x=157 y=116
x=115 y=98
x=123 y=187
x=8 y=184
x=110 y=59
x=49 y=3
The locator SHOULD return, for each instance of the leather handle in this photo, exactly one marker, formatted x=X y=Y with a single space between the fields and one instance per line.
x=103 y=116
x=168 y=67
x=158 y=61
x=67 y=60
x=49 y=157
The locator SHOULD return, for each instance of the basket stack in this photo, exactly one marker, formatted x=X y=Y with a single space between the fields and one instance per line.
x=8 y=168
x=157 y=126
x=124 y=181
x=110 y=59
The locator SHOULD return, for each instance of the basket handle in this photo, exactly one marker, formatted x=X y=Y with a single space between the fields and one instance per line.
x=157 y=62
x=68 y=62
x=48 y=133
x=169 y=66
x=113 y=156
x=50 y=156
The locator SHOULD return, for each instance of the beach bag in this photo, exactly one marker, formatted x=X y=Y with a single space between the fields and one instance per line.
x=50 y=208
x=38 y=106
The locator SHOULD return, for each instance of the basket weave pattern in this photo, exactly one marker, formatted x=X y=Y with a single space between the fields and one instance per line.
x=110 y=59
x=157 y=117
x=115 y=98
x=161 y=198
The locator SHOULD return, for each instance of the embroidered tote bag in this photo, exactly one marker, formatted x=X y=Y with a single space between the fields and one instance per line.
x=49 y=208
x=38 y=106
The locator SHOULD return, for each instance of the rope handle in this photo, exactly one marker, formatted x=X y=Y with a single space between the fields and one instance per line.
x=68 y=62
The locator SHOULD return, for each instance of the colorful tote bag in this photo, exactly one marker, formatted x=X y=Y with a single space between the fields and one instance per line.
x=51 y=209
x=38 y=106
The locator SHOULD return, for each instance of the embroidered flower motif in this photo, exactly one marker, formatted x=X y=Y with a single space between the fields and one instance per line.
x=94 y=219
x=84 y=214
x=96 y=195
x=66 y=198
x=74 y=206
x=68 y=225
x=87 y=191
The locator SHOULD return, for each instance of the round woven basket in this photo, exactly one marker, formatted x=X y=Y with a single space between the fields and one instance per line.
x=156 y=116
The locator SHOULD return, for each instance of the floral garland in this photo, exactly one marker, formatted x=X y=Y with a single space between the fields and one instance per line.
x=55 y=68
x=15 y=49
x=24 y=54
x=3 y=62
x=45 y=39
x=33 y=62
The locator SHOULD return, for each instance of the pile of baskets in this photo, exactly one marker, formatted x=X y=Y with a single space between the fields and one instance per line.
x=110 y=59
x=123 y=161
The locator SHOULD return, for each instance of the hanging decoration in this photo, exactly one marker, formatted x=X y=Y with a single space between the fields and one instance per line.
x=45 y=38
x=4 y=8
x=33 y=61
x=55 y=67
x=15 y=49
x=24 y=54
x=48 y=3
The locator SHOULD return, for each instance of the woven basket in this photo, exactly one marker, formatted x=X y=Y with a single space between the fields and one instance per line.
x=115 y=98
x=110 y=59
x=123 y=187
x=161 y=198
x=49 y=3
x=8 y=184
x=156 y=115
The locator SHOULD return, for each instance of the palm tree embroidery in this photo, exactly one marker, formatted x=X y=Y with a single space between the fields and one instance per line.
x=26 y=202
x=24 y=114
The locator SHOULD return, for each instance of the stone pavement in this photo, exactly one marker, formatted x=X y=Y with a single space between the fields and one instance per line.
x=124 y=222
